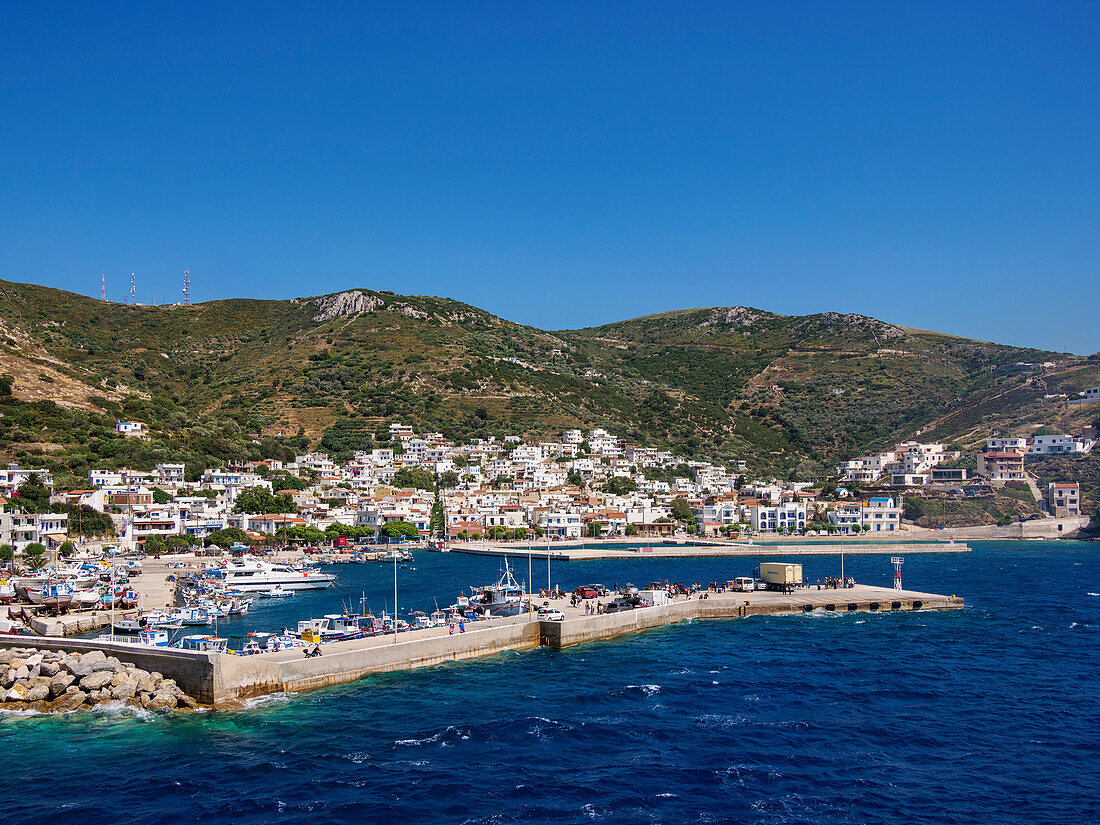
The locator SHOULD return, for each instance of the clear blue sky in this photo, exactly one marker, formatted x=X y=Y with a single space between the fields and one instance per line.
x=566 y=164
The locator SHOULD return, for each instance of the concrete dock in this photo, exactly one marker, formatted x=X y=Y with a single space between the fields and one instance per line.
x=711 y=549
x=223 y=680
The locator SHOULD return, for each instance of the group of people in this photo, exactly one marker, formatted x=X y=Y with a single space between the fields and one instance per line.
x=835 y=583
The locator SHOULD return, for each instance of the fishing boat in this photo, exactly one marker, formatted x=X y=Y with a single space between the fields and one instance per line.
x=190 y=616
x=203 y=643
x=7 y=592
x=505 y=598
x=55 y=596
x=146 y=638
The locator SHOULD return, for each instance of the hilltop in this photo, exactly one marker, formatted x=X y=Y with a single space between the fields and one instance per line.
x=245 y=378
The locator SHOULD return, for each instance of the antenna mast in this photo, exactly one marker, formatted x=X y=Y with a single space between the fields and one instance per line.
x=103 y=286
x=132 y=292
x=187 y=287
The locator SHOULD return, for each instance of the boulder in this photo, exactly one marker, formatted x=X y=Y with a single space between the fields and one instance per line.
x=31 y=661
x=79 y=668
x=124 y=690
x=16 y=693
x=95 y=681
x=70 y=701
x=60 y=682
x=163 y=699
x=7 y=679
x=37 y=693
x=8 y=655
x=167 y=684
x=23 y=672
x=49 y=669
x=105 y=666
x=147 y=684
x=93 y=656
x=183 y=700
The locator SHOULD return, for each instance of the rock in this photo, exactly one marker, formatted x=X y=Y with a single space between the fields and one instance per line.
x=95 y=681
x=42 y=706
x=124 y=690
x=70 y=701
x=49 y=669
x=93 y=656
x=186 y=701
x=146 y=684
x=37 y=693
x=16 y=693
x=31 y=661
x=36 y=671
x=60 y=682
x=169 y=685
x=163 y=699
x=8 y=679
x=9 y=655
x=105 y=666
x=23 y=672
x=79 y=669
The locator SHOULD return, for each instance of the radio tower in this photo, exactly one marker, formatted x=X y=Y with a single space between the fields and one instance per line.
x=103 y=286
x=133 y=299
x=187 y=287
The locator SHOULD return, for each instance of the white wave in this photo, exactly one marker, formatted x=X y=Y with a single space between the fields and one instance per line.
x=268 y=700
x=435 y=737
x=1092 y=594
x=14 y=712
x=648 y=690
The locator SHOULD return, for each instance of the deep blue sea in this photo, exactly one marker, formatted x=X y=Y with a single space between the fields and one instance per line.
x=986 y=715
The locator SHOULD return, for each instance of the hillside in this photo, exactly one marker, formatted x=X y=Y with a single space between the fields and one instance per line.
x=260 y=378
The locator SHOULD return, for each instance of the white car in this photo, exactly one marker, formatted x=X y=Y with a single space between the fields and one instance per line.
x=761 y=585
x=550 y=614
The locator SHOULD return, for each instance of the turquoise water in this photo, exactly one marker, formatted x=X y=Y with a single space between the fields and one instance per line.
x=982 y=715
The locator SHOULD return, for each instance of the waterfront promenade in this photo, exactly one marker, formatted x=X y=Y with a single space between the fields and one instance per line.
x=224 y=680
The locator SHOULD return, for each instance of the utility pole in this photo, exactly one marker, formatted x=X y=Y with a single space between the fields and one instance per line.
x=103 y=286
x=187 y=287
x=133 y=292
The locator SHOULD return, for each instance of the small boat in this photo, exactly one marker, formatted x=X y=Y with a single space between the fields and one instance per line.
x=7 y=592
x=55 y=596
x=276 y=592
x=191 y=616
x=203 y=644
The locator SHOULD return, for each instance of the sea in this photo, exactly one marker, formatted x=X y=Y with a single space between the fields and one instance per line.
x=983 y=715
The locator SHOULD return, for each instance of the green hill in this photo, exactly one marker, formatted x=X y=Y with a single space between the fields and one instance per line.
x=243 y=378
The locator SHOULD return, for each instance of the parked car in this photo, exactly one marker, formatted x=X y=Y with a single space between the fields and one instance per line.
x=617 y=606
x=586 y=591
x=550 y=614
x=761 y=585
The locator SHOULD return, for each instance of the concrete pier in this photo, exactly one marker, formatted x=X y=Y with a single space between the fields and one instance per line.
x=224 y=680
x=711 y=549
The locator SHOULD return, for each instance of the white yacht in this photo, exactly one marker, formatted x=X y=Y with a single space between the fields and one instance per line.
x=252 y=575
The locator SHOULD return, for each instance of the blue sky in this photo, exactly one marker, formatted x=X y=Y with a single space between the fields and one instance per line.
x=566 y=164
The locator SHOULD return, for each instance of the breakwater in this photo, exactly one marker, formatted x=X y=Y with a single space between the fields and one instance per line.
x=223 y=679
x=581 y=552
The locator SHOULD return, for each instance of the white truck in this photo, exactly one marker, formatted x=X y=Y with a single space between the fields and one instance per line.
x=653 y=598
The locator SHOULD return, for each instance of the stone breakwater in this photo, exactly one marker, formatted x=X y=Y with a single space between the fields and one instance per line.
x=54 y=681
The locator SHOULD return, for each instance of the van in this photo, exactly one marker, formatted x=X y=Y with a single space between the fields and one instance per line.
x=744 y=584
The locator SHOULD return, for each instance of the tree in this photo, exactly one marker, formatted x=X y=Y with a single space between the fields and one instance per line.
x=88 y=522
x=621 y=485
x=594 y=529
x=574 y=479
x=681 y=510
x=35 y=554
x=33 y=495
x=179 y=542
x=437 y=524
x=520 y=533
x=415 y=478
x=66 y=549
x=160 y=496
x=7 y=553
x=226 y=536
x=259 y=500
x=155 y=545
x=399 y=529
x=631 y=530
x=448 y=480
